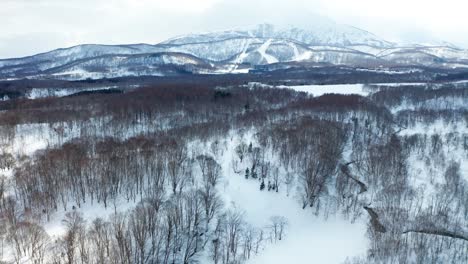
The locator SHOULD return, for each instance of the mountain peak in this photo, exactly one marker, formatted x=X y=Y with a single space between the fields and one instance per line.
x=323 y=33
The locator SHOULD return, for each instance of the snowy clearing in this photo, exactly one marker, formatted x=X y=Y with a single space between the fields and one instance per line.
x=308 y=237
x=318 y=90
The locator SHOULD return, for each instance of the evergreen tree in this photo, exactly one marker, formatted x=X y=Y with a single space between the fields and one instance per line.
x=262 y=186
x=247 y=106
x=253 y=173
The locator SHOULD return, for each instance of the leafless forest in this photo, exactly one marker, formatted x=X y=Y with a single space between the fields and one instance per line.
x=163 y=148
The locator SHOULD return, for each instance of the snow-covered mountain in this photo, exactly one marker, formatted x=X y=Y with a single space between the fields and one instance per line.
x=324 y=33
x=116 y=65
x=233 y=51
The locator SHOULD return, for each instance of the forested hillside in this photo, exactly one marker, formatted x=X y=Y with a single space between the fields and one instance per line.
x=172 y=173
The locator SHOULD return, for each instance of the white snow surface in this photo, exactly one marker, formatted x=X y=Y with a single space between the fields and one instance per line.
x=318 y=90
x=309 y=238
x=36 y=93
x=89 y=211
x=262 y=50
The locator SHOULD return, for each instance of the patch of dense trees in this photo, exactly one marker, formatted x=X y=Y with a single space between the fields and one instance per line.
x=420 y=96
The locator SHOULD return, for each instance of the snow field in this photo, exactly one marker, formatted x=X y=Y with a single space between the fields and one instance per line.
x=308 y=237
x=318 y=90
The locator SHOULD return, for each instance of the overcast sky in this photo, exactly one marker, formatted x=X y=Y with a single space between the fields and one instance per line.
x=31 y=26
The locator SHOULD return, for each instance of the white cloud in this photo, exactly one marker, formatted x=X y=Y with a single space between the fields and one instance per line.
x=30 y=26
x=440 y=19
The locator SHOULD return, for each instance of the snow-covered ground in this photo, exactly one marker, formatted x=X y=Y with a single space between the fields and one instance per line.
x=451 y=150
x=55 y=228
x=29 y=138
x=318 y=90
x=359 y=89
x=262 y=50
x=389 y=71
x=439 y=127
x=36 y=93
x=308 y=237
x=399 y=84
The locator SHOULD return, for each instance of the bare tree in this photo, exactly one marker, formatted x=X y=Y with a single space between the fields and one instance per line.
x=138 y=224
x=75 y=226
x=177 y=166
x=122 y=238
x=38 y=241
x=452 y=176
x=278 y=227
x=99 y=234
x=289 y=181
x=241 y=151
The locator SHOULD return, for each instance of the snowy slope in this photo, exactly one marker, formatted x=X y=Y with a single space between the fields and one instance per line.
x=130 y=65
x=60 y=57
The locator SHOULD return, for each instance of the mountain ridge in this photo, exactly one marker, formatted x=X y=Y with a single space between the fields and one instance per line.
x=230 y=50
